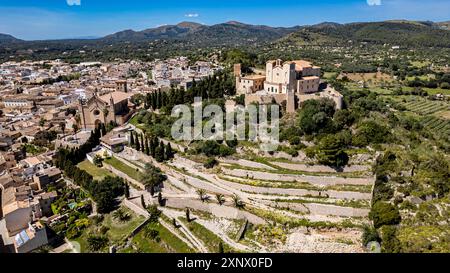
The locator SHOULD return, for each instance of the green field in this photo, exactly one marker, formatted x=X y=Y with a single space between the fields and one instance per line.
x=96 y=172
x=168 y=242
x=119 y=165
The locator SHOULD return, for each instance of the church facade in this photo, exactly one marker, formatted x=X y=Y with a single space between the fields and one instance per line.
x=114 y=107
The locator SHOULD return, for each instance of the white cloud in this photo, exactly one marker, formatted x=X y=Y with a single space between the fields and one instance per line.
x=73 y=2
x=191 y=15
x=374 y=2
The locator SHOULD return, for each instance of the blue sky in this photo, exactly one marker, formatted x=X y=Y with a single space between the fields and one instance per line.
x=56 y=19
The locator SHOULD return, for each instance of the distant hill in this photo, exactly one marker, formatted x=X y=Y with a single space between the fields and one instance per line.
x=163 y=32
x=403 y=33
x=8 y=38
x=185 y=37
x=221 y=34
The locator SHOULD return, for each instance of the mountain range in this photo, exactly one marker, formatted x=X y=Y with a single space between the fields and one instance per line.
x=187 y=36
x=253 y=33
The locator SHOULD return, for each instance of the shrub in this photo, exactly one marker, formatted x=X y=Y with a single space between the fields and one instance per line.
x=370 y=234
x=390 y=242
x=383 y=213
x=97 y=242
x=370 y=132
x=330 y=152
x=295 y=140
x=210 y=163
x=152 y=233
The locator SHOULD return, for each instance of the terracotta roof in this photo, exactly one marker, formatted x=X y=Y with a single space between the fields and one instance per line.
x=117 y=96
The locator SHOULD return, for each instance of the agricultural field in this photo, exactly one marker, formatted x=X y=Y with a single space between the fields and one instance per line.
x=437 y=125
x=426 y=107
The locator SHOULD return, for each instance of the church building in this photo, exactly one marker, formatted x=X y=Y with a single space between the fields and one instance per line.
x=114 y=107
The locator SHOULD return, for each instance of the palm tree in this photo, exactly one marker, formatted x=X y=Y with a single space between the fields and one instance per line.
x=220 y=199
x=121 y=215
x=238 y=202
x=202 y=194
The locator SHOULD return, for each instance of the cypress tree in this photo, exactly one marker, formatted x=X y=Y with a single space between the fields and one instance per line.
x=147 y=148
x=160 y=199
x=158 y=99
x=138 y=146
x=154 y=103
x=159 y=154
x=169 y=152
x=153 y=145
x=127 y=191
x=103 y=129
x=131 y=139
x=188 y=215
x=152 y=191
x=143 y=201
x=142 y=143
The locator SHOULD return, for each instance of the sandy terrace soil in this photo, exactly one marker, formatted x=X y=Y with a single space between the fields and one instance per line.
x=314 y=241
x=319 y=168
x=316 y=180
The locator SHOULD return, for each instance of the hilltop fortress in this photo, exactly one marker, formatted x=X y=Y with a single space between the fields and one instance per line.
x=287 y=83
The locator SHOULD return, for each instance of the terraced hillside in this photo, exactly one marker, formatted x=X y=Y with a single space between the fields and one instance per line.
x=280 y=207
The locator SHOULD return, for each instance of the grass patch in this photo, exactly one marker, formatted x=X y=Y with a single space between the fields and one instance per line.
x=120 y=166
x=96 y=172
x=167 y=243
x=210 y=239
